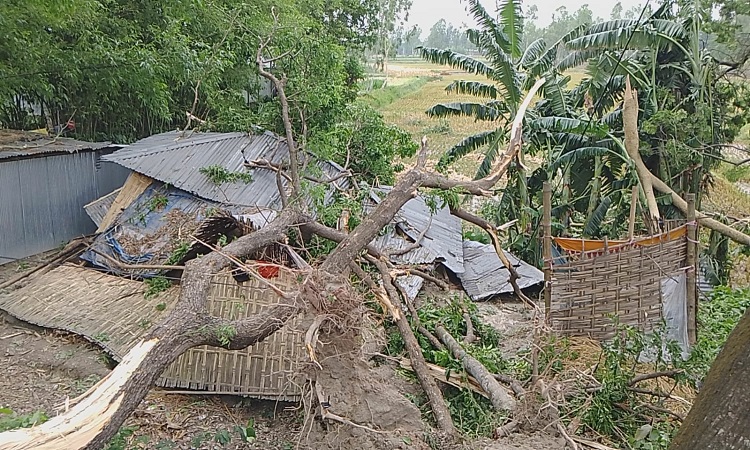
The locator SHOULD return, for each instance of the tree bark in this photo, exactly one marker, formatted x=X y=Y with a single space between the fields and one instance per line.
x=719 y=418
x=713 y=224
x=632 y=147
x=498 y=396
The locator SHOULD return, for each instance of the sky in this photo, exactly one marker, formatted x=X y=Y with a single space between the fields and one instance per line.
x=426 y=12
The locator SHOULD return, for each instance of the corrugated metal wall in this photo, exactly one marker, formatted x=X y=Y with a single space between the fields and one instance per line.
x=42 y=199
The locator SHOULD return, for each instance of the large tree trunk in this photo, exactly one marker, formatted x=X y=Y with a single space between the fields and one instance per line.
x=720 y=416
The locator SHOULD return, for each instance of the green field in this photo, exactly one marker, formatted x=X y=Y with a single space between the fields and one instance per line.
x=423 y=85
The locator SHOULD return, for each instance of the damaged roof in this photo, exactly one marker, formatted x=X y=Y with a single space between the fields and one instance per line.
x=176 y=158
x=16 y=144
x=443 y=237
x=485 y=275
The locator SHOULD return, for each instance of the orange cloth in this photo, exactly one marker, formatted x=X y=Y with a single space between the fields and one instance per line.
x=589 y=245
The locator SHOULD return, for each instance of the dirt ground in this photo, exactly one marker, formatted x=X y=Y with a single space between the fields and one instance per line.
x=42 y=368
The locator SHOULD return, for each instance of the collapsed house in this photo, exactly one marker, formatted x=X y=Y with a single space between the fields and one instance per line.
x=184 y=195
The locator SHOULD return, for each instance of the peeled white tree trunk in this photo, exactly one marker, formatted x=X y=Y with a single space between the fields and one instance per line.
x=632 y=146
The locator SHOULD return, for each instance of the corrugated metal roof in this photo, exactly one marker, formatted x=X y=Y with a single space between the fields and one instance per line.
x=486 y=276
x=390 y=241
x=177 y=158
x=443 y=237
x=411 y=284
x=20 y=144
x=99 y=207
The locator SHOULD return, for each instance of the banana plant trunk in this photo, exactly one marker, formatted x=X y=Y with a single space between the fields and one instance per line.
x=596 y=187
x=566 y=197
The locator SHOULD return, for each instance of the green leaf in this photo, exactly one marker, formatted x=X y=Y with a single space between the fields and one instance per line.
x=489 y=159
x=475 y=88
x=594 y=222
x=468 y=145
x=511 y=21
x=533 y=53
x=490 y=111
x=488 y=25
x=553 y=91
x=503 y=70
x=456 y=61
x=578 y=154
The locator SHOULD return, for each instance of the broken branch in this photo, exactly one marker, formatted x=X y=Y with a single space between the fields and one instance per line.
x=490 y=229
x=470 y=336
x=497 y=394
x=437 y=402
x=632 y=147
x=650 y=376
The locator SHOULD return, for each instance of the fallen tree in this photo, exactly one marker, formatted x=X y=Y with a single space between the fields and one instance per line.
x=649 y=181
x=95 y=417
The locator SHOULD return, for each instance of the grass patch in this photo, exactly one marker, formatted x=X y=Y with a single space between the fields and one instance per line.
x=408 y=111
x=724 y=198
x=735 y=173
x=382 y=97
x=717 y=318
x=9 y=420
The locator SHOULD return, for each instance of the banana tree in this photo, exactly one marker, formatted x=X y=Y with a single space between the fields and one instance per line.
x=682 y=117
x=510 y=70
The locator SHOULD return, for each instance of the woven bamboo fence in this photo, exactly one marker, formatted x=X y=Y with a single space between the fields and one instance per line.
x=589 y=293
x=113 y=313
x=267 y=370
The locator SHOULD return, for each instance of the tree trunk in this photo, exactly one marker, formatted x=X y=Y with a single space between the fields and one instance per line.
x=719 y=418
x=498 y=396
x=681 y=204
x=632 y=146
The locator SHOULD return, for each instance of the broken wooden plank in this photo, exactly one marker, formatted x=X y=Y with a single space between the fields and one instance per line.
x=134 y=186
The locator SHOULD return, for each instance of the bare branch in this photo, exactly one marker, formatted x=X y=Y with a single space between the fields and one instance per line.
x=490 y=229
x=288 y=129
x=470 y=336
x=649 y=376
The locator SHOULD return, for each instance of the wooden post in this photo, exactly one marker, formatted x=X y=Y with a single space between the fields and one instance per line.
x=633 y=203
x=692 y=272
x=547 y=246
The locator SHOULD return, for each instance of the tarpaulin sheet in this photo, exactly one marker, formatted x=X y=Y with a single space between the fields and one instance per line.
x=590 y=245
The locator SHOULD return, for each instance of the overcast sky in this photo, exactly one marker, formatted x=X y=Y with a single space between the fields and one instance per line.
x=426 y=12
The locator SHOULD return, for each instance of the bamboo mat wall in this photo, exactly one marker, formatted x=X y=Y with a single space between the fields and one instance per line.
x=588 y=294
x=113 y=313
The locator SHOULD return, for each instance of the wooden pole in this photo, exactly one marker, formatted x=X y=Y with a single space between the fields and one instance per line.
x=547 y=247
x=692 y=271
x=633 y=203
